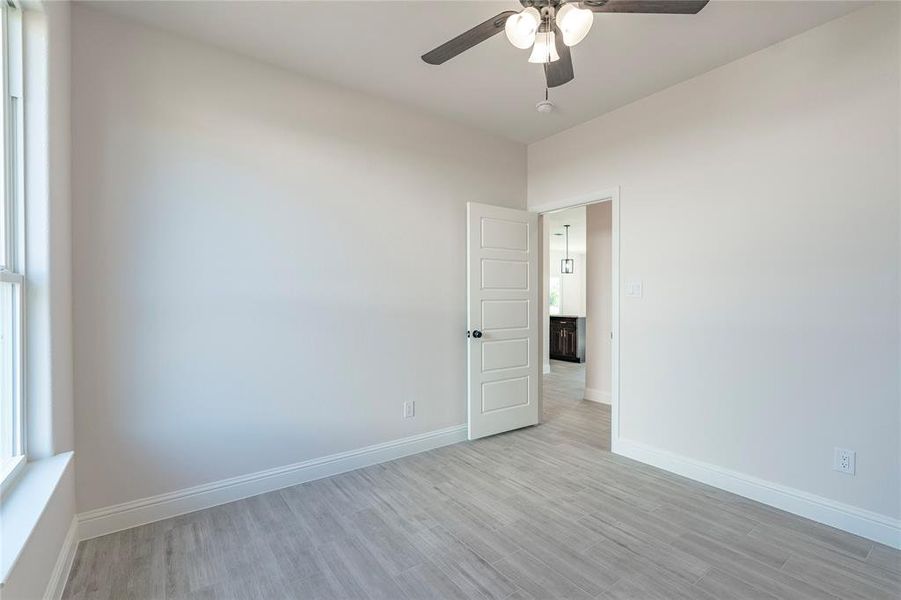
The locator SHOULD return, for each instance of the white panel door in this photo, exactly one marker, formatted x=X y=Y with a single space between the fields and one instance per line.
x=502 y=291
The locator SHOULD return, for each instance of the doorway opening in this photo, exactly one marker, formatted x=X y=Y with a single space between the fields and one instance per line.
x=508 y=320
x=579 y=341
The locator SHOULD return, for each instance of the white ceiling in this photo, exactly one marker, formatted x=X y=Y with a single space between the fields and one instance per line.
x=576 y=219
x=374 y=46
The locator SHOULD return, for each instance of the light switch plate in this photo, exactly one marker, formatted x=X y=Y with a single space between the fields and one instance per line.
x=633 y=289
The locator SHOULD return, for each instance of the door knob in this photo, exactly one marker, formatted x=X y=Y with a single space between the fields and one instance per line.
x=476 y=333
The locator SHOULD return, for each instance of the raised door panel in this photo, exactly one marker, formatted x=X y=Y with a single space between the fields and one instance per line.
x=505 y=354
x=504 y=234
x=505 y=394
x=505 y=274
x=505 y=314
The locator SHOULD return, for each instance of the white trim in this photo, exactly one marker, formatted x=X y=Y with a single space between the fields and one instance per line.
x=546 y=369
x=9 y=470
x=613 y=196
x=110 y=519
x=57 y=584
x=615 y=325
x=10 y=277
x=599 y=396
x=24 y=504
x=582 y=200
x=864 y=523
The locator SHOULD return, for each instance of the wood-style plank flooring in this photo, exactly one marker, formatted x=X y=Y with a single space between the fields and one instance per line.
x=544 y=512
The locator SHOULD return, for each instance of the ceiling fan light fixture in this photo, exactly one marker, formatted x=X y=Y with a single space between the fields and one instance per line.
x=522 y=27
x=545 y=48
x=574 y=23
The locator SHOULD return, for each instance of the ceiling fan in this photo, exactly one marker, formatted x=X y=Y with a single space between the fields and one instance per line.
x=550 y=27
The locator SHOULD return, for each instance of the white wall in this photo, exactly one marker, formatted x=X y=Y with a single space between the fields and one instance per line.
x=572 y=285
x=598 y=300
x=216 y=200
x=760 y=208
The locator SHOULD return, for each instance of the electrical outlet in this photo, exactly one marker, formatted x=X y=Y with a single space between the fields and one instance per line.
x=409 y=409
x=844 y=461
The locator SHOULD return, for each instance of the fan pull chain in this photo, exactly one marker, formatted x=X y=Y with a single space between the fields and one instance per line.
x=547 y=19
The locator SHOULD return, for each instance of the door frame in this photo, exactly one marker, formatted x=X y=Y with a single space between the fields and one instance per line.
x=611 y=195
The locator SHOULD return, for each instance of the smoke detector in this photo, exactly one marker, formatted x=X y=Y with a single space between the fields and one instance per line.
x=545 y=106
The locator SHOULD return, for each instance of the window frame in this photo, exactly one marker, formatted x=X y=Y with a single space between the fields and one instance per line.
x=12 y=265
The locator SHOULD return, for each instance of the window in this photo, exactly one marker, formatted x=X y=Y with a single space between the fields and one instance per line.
x=12 y=248
x=554 y=296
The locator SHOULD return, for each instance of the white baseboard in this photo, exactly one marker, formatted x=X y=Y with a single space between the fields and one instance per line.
x=852 y=519
x=147 y=510
x=597 y=396
x=60 y=574
x=547 y=368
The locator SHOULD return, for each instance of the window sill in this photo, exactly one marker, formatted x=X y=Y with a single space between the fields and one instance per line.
x=23 y=504
x=9 y=471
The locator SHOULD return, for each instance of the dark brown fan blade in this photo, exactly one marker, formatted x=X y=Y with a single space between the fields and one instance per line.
x=669 y=7
x=468 y=39
x=559 y=71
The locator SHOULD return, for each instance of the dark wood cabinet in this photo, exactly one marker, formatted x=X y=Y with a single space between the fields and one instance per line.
x=567 y=339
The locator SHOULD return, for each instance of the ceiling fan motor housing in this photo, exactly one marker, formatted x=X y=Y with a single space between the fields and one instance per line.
x=539 y=4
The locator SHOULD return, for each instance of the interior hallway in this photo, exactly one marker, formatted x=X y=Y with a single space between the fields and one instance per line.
x=543 y=512
x=567 y=413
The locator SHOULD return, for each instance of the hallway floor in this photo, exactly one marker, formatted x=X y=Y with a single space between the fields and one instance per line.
x=567 y=413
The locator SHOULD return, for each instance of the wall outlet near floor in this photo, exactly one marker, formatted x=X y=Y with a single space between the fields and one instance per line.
x=409 y=409
x=844 y=461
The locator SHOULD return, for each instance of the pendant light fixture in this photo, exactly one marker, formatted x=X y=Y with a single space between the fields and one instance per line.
x=566 y=265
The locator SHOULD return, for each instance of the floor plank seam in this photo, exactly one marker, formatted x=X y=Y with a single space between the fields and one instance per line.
x=546 y=511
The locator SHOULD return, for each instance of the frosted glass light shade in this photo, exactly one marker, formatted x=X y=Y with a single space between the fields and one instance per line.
x=545 y=48
x=567 y=266
x=522 y=27
x=574 y=23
